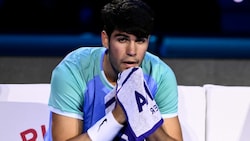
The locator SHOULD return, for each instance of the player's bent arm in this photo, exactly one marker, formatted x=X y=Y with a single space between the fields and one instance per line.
x=169 y=131
x=70 y=129
x=173 y=128
x=67 y=129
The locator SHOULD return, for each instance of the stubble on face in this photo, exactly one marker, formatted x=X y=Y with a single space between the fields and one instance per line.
x=121 y=55
x=109 y=70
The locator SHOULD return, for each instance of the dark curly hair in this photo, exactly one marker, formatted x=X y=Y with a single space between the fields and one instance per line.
x=130 y=16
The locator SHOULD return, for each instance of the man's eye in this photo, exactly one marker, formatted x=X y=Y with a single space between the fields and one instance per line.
x=141 y=41
x=122 y=39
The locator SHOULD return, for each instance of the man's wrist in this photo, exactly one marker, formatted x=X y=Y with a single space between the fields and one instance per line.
x=105 y=129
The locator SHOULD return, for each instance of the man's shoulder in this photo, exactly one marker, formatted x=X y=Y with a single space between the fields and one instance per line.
x=155 y=64
x=84 y=53
x=83 y=57
x=88 y=50
x=153 y=59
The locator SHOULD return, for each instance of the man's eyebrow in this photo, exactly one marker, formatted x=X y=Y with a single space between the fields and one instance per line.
x=120 y=34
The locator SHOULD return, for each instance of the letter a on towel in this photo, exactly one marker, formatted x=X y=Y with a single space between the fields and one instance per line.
x=143 y=115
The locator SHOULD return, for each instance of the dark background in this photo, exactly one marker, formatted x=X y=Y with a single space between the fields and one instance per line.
x=182 y=17
x=55 y=27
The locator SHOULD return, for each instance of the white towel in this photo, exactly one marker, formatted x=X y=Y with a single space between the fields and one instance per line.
x=143 y=115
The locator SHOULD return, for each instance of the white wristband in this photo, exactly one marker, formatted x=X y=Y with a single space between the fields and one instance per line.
x=104 y=129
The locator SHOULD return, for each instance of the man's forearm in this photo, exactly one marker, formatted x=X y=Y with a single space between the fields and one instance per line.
x=160 y=135
x=82 y=137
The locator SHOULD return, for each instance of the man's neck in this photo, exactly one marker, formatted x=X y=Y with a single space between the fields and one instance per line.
x=108 y=71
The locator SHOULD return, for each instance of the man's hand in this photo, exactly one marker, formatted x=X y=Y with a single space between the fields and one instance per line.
x=119 y=114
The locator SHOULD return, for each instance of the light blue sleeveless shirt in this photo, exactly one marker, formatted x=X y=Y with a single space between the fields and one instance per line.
x=78 y=86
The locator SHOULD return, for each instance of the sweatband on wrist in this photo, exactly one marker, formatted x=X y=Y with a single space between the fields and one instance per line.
x=104 y=129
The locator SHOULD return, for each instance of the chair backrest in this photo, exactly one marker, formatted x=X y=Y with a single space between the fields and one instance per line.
x=21 y=121
x=206 y=113
x=36 y=93
x=228 y=113
x=24 y=111
x=192 y=112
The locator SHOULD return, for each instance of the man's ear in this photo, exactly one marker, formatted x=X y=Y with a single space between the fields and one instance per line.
x=105 y=39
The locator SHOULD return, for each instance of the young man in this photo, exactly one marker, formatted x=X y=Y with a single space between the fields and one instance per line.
x=87 y=76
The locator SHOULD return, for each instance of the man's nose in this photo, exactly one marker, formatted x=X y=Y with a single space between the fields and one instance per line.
x=131 y=49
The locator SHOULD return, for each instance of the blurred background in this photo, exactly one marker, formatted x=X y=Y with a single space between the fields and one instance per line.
x=206 y=17
x=204 y=41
